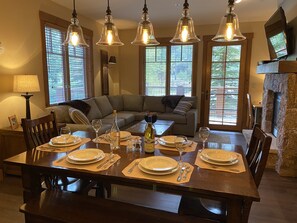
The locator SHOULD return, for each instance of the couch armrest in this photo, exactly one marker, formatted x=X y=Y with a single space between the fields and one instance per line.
x=192 y=119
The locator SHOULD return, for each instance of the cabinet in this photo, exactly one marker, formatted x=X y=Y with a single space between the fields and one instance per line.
x=12 y=142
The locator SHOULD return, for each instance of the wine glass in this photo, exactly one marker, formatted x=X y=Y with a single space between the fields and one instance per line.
x=65 y=133
x=96 y=124
x=180 y=144
x=204 y=134
x=111 y=139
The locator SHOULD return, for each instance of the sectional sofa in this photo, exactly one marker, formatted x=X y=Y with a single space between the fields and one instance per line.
x=130 y=109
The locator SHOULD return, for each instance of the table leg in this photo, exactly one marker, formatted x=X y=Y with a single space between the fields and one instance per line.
x=234 y=211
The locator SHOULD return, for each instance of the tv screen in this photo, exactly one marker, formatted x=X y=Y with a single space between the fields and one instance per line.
x=277 y=35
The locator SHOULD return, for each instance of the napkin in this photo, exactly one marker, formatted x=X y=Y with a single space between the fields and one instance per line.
x=190 y=148
x=170 y=178
x=236 y=168
x=48 y=148
x=103 y=164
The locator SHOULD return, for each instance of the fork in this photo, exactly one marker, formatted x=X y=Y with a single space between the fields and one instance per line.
x=181 y=173
x=186 y=173
x=132 y=168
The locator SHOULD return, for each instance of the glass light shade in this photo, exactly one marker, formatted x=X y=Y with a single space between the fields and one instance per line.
x=75 y=35
x=26 y=83
x=109 y=35
x=185 y=32
x=145 y=33
x=229 y=29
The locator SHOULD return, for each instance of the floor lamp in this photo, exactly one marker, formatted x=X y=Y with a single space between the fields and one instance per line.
x=26 y=84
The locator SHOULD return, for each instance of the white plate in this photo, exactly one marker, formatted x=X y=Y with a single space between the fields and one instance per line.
x=219 y=155
x=86 y=155
x=83 y=163
x=158 y=173
x=218 y=163
x=170 y=139
x=158 y=163
x=60 y=140
x=77 y=141
x=173 y=145
x=124 y=135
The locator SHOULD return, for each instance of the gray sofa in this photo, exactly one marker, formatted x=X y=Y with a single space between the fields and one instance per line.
x=130 y=108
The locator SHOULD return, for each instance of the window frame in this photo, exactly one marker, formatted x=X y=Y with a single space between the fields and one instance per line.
x=166 y=42
x=62 y=25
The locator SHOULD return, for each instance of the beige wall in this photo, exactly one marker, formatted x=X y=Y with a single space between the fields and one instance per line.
x=129 y=58
x=21 y=37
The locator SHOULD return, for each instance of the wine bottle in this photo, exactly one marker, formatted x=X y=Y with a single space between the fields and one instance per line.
x=115 y=131
x=149 y=136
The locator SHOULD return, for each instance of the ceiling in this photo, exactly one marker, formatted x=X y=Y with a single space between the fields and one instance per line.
x=165 y=13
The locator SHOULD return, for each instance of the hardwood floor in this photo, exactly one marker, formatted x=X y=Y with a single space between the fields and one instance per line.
x=278 y=196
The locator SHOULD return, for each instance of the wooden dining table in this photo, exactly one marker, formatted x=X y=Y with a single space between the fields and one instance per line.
x=236 y=189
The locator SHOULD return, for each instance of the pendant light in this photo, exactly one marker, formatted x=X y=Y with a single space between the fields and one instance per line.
x=185 y=32
x=109 y=35
x=145 y=31
x=229 y=26
x=75 y=35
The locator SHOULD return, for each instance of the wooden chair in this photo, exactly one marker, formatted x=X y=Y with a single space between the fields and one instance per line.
x=39 y=131
x=250 y=117
x=257 y=156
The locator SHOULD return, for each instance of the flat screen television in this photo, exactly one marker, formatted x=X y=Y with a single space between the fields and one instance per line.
x=278 y=35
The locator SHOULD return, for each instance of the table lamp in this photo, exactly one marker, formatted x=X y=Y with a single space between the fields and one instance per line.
x=26 y=84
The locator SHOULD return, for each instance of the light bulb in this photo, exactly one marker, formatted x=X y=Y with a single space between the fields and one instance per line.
x=145 y=36
x=74 y=38
x=184 y=33
x=229 y=32
x=109 y=37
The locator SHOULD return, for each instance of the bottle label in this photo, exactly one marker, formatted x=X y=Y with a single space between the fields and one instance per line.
x=149 y=147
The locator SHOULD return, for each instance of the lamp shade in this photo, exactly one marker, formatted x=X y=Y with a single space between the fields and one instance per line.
x=26 y=83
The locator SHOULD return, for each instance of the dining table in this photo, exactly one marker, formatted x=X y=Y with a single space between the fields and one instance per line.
x=235 y=189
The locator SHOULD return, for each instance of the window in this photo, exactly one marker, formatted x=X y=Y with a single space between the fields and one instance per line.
x=168 y=69
x=67 y=70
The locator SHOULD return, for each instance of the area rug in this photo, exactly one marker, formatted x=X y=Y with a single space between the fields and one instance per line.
x=213 y=137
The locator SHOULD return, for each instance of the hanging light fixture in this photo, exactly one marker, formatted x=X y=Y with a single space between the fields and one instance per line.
x=229 y=26
x=145 y=31
x=185 y=32
x=75 y=35
x=109 y=35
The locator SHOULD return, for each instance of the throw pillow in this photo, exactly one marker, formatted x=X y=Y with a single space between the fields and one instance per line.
x=78 y=117
x=182 y=107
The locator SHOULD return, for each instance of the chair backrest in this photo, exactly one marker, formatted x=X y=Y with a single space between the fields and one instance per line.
x=39 y=131
x=257 y=153
x=250 y=117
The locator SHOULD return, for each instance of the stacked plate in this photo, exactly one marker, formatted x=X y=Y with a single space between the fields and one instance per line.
x=169 y=141
x=158 y=165
x=124 y=135
x=86 y=156
x=59 y=141
x=219 y=157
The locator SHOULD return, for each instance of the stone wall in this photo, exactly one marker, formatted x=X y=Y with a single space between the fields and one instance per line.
x=286 y=84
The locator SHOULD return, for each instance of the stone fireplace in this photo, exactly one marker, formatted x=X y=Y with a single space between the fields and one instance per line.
x=281 y=80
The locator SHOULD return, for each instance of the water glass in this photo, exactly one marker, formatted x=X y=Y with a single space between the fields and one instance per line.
x=204 y=134
x=96 y=124
x=65 y=133
x=180 y=144
x=111 y=139
x=130 y=145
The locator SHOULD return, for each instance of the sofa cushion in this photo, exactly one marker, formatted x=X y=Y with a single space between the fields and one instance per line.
x=61 y=112
x=192 y=99
x=183 y=107
x=116 y=102
x=78 y=104
x=153 y=104
x=171 y=101
x=94 y=112
x=104 y=105
x=78 y=117
x=133 y=102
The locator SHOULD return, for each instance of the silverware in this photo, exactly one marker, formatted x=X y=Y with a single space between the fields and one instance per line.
x=187 y=170
x=132 y=168
x=181 y=173
x=59 y=160
x=232 y=169
x=103 y=164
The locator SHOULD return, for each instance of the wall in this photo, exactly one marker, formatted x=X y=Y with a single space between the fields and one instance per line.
x=21 y=37
x=129 y=57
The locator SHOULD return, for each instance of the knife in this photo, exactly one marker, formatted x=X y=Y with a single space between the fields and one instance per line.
x=102 y=164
